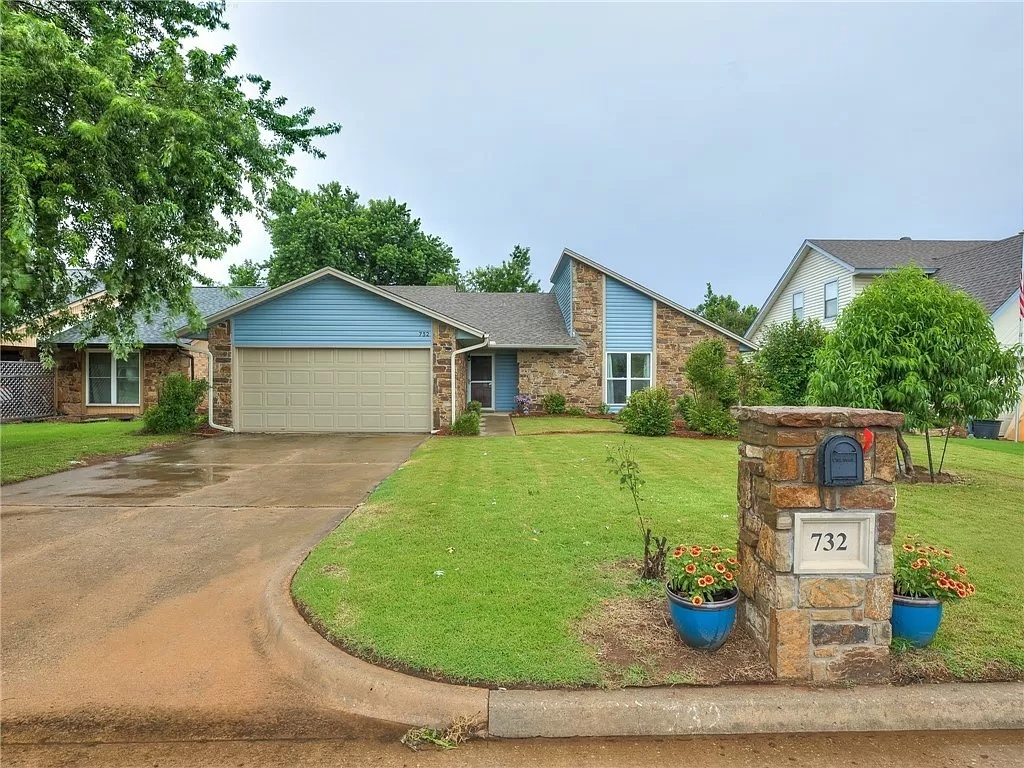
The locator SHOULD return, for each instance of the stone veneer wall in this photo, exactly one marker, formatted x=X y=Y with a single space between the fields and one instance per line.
x=444 y=344
x=220 y=345
x=825 y=628
x=577 y=374
x=675 y=337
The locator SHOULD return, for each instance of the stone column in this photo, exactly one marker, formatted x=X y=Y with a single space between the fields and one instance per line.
x=814 y=621
x=220 y=346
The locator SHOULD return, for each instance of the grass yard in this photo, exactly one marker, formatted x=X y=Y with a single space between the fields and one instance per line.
x=42 y=448
x=539 y=425
x=480 y=560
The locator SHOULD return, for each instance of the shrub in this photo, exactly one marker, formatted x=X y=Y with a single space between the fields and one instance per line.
x=786 y=359
x=708 y=370
x=467 y=425
x=553 y=403
x=684 y=405
x=710 y=418
x=575 y=412
x=648 y=412
x=475 y=406
x=750 y=383
x=523 y=404
x=604 y=409
x=175 y=409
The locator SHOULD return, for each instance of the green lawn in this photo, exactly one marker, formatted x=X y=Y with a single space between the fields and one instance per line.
x=42 y=448
x=478 y=559
x=538 y=425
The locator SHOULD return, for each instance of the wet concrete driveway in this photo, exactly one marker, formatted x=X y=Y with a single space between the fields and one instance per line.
x=130 y=589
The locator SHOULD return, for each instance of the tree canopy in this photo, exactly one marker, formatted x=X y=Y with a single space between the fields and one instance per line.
x=725 y=311
x=128 y=157
x=786 y=359
x=378 y=242
x=247 y=272
x=511 y=276
x=913 y=344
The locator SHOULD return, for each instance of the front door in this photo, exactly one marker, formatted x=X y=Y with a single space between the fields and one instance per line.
x=481 y=379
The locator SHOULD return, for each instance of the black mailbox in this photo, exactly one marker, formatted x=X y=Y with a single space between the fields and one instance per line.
x=840 y=461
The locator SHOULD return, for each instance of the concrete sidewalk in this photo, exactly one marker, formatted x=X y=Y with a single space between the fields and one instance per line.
x=362 y=688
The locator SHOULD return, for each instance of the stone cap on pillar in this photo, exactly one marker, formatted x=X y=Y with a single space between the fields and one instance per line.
x=817 y=416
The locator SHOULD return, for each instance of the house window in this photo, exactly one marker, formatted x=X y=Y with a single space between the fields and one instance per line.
x=110 y=381
x=628 y=372
x=798 y=305
x=831 y=299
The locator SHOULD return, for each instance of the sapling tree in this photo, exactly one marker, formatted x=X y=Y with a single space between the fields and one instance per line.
x=912 y=344
x=626 y=467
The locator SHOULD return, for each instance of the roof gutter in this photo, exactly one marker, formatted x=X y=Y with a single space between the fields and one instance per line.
x=486 y=342
x=209 y=385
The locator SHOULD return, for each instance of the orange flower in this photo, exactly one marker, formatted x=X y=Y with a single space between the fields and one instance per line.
x=943 y=582
x=922 y=562
x=922 y=551
x=908 y=547
x=690 y=568
x=970 y=589
x=732 y=561
x=720 y=567
x=962 y=592
x=678 y=552
x=697 y=600
x=709 y=580
x=946 y=552
x=716 y=549
x=915 y=565
x=727 y=576
x=695 y=550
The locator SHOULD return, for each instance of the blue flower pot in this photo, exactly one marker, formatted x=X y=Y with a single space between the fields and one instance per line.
x=706 y=626
x=916 y=619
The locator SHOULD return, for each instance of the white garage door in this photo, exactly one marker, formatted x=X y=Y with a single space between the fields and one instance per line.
x=333 y=390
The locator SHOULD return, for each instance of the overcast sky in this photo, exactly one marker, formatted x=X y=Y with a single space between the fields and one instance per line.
x=676 y=144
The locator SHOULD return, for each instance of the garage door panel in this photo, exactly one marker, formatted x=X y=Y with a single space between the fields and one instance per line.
x=334 y=390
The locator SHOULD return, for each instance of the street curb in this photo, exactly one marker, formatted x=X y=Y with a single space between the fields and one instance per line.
x=348 y=683
x=755 y=709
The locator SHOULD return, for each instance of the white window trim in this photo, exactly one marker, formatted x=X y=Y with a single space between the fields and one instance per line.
x=628 y=378
x=793 y=304
x=824 y=310
x=113 y=378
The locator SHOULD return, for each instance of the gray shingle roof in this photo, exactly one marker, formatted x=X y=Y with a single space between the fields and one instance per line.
x=159 y=329
x=989 y=272
x=511 y=319
x=885 y=254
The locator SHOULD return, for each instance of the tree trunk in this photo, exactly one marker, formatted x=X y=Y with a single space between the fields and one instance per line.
x=908 y=462
x=928 y=445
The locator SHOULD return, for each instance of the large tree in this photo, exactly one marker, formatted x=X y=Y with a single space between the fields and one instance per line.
x=913 y=344
x=511 y=276
x=247 y=272
x=725 y=311
x=379 y=242
x=128 y=156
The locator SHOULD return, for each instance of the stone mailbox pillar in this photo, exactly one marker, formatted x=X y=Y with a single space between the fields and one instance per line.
x=816 y=559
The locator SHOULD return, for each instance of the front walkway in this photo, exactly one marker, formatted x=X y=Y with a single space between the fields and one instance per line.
x=496 y=425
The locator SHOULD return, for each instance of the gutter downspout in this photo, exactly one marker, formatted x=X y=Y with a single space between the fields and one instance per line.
x=484 y=343
x=209 y=385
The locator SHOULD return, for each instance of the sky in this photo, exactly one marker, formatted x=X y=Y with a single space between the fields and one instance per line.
x=676 y=144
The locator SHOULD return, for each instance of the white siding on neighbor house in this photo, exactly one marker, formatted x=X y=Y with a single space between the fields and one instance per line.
x=810 y=277
x=1005 y=322
x=860 y=282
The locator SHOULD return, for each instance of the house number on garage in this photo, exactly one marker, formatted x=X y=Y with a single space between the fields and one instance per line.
x=834 y=542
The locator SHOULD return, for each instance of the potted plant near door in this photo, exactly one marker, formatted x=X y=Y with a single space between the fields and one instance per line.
x=924 y=576
x=702 y=594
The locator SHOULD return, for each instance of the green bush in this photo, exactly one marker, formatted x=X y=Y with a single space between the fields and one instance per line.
x=708 y=370
x=786 y=360
x=648 y=412
x=575 y=412
x=475 y=406
x=685 y=405
x=175 y=409
x=710 y=418
x=553 y=403
x=467 y=425
x=604 y=409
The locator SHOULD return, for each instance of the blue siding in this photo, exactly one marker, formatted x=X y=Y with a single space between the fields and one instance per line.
x=628 y=319
x=331 y=313
x=563 y=292
x=506 y=381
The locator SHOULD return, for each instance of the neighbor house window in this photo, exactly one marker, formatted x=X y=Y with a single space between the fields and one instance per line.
x=798 y=305
x=628 y=372
x=110 y=381
x=831 y=299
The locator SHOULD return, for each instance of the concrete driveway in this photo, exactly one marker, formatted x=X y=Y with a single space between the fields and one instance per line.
x=130 y=589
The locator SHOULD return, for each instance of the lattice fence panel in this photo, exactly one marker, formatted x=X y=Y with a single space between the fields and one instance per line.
x=26 y=391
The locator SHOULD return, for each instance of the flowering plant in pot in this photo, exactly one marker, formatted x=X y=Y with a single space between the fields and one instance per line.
x=924 y=576
x=702 y=594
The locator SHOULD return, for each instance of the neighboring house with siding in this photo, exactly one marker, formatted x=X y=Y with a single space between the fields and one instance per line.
x=825 y=275
x=328 y=352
